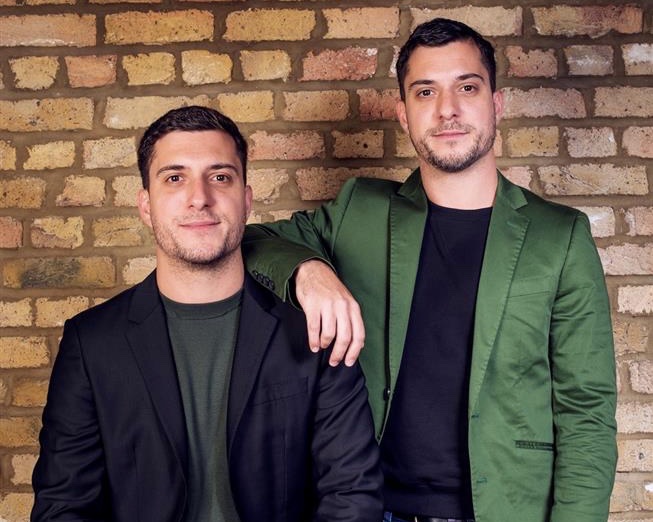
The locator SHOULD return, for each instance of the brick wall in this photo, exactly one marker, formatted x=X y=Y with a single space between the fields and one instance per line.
x=312 y=85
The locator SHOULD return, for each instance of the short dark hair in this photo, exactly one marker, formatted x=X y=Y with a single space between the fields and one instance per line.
x=442 y=31
x=188 y=119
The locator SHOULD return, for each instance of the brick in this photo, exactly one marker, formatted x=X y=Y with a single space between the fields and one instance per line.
x=593 y=21
x=203 y=67
x=638 y=58
x=51 y=155
x=118 y=231
x=59 y=272
x=29 y=392
x=355 y=23
x=137 y=269
x=532 y=141
x=64 y=30
x=248 y=107
x=149 y=68
x=23 y=466
x=317 y=184
x=15 y=507
x=34 y=72
x=351 y=63
x=16 y=313
x=624 y=102
x=640 y=221
x=267 y=183
x=521 y=176
x=365 y=144
x=106 y=153
x=403 y=146
x=24 y=192
x=489 y=21
x=635 y=300
x=46 y=114
x=593 y=179
x=377 y=105
x=316 y=106
x=630 y=336
x=532 y=63
x=634 y=417
x=641 y=376
x=126 y=189
x=255 y=25
x=3 y=390
x=51 y=313
x=265 y=65
x=602 y=220
x=91 y=71
x=11 y=232
x=19 y=431
x=638 y=141
x=82 y=191
x=23 y=352
x=104 y=2
x=7 y=155
x=281 y=214
x=139 y=113
x=158 y=28
x=57 y=232
x=635 y=455
x=543 y=101
x=593 y=142
x=589 y=60
x=298 y=145
x=630 y=496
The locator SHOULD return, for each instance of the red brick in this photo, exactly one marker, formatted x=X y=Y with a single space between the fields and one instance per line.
x=356 y=23
x=377 y=105
x=11 y=232
x=531 y=63
x=624 y=102
x=298 y=145
x=91 y=71
x=352 y=63
x=50 y=30
x=638 y=141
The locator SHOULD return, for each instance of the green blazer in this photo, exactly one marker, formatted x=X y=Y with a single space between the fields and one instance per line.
x=542 y=386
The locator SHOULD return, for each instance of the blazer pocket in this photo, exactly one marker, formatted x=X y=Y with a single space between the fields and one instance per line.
x=534 y=445
x=531 y=285
x=277 y=391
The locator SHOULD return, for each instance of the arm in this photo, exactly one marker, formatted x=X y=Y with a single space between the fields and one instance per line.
x=584 y=390
x=69 y=477
x=294 y=258
x=345 y=453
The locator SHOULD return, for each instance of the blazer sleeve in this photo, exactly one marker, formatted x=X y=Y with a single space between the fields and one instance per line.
x=69 y=477
x=584 y=390
x=275 y=250
x=345 y=453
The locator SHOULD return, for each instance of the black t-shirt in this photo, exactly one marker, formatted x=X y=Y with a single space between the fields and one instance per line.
x=424 y=448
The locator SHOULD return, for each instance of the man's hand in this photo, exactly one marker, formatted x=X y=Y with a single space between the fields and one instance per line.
x=331 y=312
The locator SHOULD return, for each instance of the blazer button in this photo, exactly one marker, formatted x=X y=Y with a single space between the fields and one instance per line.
x=386 y=394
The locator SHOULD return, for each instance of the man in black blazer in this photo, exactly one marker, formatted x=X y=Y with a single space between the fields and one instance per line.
x=192 y=396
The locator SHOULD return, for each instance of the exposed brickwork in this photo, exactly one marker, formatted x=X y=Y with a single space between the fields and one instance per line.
x=313 y=87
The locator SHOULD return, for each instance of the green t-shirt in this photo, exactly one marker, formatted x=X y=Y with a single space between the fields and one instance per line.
x=203 y=338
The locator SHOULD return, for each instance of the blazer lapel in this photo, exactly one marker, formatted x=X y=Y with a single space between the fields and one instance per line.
x=255 y=330
x=408 y=211
x=149 y=341
x=503 y=247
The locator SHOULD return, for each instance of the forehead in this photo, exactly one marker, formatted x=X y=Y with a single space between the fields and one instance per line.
x=452 y=59
x=183 y=147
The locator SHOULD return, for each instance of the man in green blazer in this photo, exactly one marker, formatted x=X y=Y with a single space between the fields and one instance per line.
x=489 y=357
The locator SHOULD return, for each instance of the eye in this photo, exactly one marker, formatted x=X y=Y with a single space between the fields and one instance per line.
x=424 y=93
x=221 y=177
x=173 y=178
x=469 y=88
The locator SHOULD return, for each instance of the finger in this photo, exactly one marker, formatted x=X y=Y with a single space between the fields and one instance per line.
x=328 y=328
x=357 y=336
x=343 y=337
x=313 y=329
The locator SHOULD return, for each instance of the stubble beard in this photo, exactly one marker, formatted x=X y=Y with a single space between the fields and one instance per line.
x=453 y=163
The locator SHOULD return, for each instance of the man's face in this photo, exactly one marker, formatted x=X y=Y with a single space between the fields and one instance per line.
x=450 y=111
x=197 y=203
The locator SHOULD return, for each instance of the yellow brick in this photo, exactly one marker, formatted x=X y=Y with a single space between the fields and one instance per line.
x=139 y=113
x=324 y=183
x=366 y=22
x=126 y=188
x=7 y=156
x=19 y=431
x=133 y=27
x=365 y=144
x=137 y=269
x=149 y=69
x=48 y=30
x=29 y=392
x=23 y=352
x=81 y=191
x=16 y=507
x=15 y=313
x=52 y=155
x=265 y=65
x=109 y=152
x=51 y=313
x=204 y=67
x=403 y=146
x=248 y=107
x=91 y=71
x=47 y=114
x=22 y=193
x=489 y=21
x=269 y=24
x=57 y=232
x=11 y=232
x=34 y=72
x=316 y=106
x=532 y=141
x=59 y=272
x=118 y=231
x=23 y=465
x=266 y=183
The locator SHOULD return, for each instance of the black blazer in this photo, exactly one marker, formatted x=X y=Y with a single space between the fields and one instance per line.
x=114 y=445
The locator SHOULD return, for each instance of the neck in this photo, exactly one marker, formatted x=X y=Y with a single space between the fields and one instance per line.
x=197 y=284
x=470 y=189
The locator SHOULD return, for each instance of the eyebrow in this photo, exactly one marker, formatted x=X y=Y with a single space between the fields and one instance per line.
x=214 y=166
x=462 y=77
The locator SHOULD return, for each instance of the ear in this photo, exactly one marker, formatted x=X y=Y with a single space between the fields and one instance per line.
x=248 y=201
x=497 y=98
x=143 y=201
x=400 y=109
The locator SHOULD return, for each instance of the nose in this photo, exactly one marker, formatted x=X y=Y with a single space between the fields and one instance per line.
x=448 y=107
x=200 y=195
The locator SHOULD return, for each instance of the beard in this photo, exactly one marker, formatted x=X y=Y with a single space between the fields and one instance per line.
x=456 y=162
x=201 y=255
